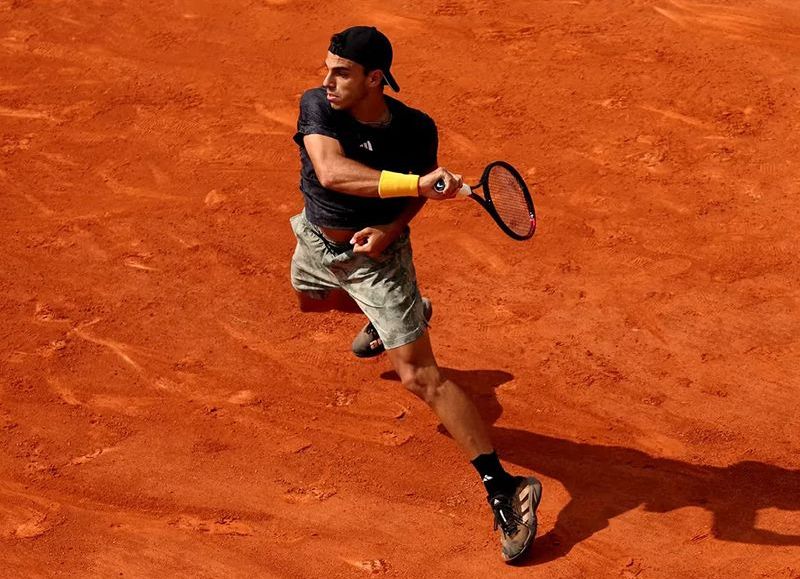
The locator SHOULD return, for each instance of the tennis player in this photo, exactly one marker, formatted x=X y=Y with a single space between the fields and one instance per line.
x=369 y=163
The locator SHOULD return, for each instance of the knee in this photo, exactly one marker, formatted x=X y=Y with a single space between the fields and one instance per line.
x=425 y=382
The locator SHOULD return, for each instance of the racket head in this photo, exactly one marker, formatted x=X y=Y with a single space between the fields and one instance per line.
x=508 y=200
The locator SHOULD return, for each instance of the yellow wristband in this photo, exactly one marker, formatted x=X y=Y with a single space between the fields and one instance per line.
x=398 y=185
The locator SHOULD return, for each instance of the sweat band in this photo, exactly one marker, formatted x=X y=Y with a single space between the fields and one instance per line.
x=398 y=185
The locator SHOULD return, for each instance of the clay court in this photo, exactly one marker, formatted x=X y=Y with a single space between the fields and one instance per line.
x=166 y=410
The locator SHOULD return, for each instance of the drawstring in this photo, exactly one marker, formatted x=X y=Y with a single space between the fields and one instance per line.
x=332 y=246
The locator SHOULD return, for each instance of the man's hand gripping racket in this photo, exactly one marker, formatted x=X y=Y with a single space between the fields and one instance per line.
x=505 y=197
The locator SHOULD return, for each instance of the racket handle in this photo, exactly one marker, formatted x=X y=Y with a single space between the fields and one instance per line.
x=465 y=190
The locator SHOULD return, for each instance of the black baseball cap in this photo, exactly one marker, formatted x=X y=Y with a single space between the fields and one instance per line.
x=367 y=46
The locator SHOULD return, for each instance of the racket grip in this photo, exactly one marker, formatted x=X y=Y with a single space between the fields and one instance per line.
x=465 y=190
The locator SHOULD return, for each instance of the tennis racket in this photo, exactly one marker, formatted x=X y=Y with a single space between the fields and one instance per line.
x=505 y=197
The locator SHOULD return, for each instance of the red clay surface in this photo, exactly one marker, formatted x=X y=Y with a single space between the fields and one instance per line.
x=167 y=411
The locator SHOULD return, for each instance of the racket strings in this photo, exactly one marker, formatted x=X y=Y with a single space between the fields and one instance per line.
x=508 y=198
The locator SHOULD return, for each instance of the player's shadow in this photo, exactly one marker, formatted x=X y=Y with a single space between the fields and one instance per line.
x=604 y=482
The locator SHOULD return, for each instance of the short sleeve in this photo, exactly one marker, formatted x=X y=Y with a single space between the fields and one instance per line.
x=316 y=117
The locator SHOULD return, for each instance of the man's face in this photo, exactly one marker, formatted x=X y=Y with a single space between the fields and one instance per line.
x=345 y=82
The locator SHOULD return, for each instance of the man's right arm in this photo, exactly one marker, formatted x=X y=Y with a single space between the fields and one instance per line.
x=339 y=173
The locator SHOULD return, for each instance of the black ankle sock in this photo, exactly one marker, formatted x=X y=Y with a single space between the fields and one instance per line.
x=494 y=477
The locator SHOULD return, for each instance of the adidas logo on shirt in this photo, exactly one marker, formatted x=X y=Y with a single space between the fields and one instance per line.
x=366 y=145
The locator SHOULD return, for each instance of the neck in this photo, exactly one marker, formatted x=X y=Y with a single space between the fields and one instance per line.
x=373 y=109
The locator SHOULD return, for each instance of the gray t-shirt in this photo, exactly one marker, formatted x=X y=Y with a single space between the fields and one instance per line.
x=408 y=144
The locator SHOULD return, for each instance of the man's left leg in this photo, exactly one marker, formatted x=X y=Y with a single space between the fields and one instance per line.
x=513 y=499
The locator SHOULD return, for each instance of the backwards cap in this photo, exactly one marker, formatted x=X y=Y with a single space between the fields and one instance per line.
x=367 y=46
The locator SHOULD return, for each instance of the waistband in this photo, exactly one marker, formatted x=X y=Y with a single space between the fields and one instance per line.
x=332 y=246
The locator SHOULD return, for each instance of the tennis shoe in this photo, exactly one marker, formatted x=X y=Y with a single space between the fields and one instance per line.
x=368 y=343
x=515 y=516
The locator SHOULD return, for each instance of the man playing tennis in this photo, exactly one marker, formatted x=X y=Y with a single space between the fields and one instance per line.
x=369 y=163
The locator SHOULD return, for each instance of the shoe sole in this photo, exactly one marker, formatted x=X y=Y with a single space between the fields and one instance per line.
x=535 y=488
x=370 y=355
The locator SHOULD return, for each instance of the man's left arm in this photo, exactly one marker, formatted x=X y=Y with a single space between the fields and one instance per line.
x=373 y=240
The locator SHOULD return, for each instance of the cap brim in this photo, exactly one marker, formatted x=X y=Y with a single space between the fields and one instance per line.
x=391 y=81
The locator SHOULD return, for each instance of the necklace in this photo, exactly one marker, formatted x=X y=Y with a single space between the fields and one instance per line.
x=384 y=122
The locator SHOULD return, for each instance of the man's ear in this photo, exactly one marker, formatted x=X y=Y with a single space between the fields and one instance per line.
x=375 y=78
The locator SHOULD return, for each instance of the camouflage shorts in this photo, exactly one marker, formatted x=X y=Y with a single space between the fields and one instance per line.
x=384 y=288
